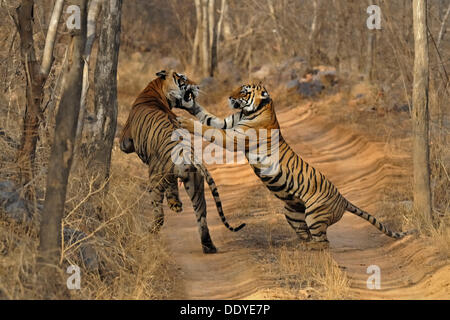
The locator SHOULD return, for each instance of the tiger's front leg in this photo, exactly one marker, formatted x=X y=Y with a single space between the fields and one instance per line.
x=317 y=221
x=295 y=216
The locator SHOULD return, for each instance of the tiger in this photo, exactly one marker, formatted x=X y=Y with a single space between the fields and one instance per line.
x=148 y=133
x=312 y=202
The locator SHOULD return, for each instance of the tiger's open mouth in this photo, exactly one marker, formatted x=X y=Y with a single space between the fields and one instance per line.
x=188 y=95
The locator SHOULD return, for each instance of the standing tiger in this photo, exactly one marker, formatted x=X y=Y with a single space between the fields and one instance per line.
x=148 y=132
x=313 y=203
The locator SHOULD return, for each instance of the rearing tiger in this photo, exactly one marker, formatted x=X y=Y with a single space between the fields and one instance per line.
x=148 y=132
x=313 y=203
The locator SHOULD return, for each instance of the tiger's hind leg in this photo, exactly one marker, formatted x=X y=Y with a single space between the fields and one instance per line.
x=296 y=219
x=156 y=201
x=173 y=200
x=194 y=185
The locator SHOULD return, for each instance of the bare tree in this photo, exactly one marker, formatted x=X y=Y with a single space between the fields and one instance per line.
x=36 y=76
x=62 y=149
x=443 y=29
x=223 y=9
x=106 y=89
x=207 y=33
x=313 y=33
x=198 y=33
x=370 y=63
x=371 y=38
x=212 y=37
x=93 y=12
x=205 y=57
x=420 y=115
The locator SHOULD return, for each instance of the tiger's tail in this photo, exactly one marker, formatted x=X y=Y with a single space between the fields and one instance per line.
x=360 y=213
x=215 y=193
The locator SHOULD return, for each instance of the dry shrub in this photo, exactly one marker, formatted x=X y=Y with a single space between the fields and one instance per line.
x=133 y=262
x=307 y=274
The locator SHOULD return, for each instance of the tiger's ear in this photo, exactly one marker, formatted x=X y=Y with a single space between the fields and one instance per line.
x=162 y=74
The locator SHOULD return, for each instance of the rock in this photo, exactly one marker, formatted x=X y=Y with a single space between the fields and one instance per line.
x=10 y=141
x=402 y=108
x=6 y=186
x=306 y=81
x=292 y=84
x=14 y=206
x=310 y=89
x=326 y=75
x=19 y=210
x=305 y=88
x=87 y=253
x=294 y=68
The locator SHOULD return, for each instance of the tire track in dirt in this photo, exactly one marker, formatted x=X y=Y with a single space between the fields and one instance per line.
x=361 y=170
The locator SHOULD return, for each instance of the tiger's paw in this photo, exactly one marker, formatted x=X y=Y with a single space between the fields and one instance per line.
x=175 y=205
x=209 y=249
x=186 y=123
x=208 y=246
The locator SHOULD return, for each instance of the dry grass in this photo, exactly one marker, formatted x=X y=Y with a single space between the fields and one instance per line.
x=293 y=270
x=307 y=274
x=133 y=262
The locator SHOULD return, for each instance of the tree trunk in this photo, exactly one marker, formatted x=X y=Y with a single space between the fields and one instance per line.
x=219 y=24
x=370 y=55
x=33 y=92
x=105 y=87
x=62 y=149
x=339 y=25
x=313 y=34
x=370 y=59
x=93 y=12
x=198 y=34
x=205 y=39
x=35 y=80
x=211 y=21
x=213 y=37
x=420 y=116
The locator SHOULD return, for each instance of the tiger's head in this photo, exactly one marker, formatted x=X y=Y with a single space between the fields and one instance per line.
x=249 y=98
x=179 y=90
x=175 y=87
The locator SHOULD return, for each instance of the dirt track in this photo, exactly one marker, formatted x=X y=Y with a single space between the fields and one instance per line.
x=361 y=170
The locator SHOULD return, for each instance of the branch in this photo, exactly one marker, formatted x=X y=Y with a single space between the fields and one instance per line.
x=47 y=56
x=442 y=31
